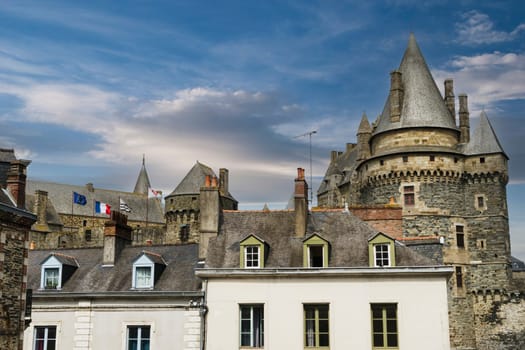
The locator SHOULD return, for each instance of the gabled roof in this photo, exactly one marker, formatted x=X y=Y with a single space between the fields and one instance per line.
x=484 y=139
x=423 y=105
x=92 y=277
x=347 y=234
x=194 y=180
x=153 y=257
x=62 y=258
x=143 y=185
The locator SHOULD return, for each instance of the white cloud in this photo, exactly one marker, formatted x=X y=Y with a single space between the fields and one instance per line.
x=477 y=28
x=487 y=78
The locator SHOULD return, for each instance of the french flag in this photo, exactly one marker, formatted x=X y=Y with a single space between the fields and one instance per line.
x=102 y=208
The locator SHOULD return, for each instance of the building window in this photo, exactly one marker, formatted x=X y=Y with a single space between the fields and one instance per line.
x=45 y=338
x=316 y=328
x=481 y=202
x=409 y=195
x=87 y=235
x=482 y=160
x=252 y=326
x=459 y=277
x=51 y=278
x=143 y=277
x=84 y=223
x=251 y=257
x=384 y=326
x=381 y=162
x=405 y=159
x=184 y=233
x=315 y=256
x=432 y=158
x=382 y=255
x=455 y=159
x=460 y=237
x=138 y=338
x=481 y=244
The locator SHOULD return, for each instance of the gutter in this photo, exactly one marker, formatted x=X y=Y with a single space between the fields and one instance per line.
x=131 y=294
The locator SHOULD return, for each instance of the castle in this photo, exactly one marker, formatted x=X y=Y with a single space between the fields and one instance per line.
x=450 y=184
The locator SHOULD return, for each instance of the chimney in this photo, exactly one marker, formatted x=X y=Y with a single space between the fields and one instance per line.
x=333 y=156
x=300 y=203
x=464 y=122
x=449 y=98
x=223 y=181
x=210 y=212
x=117 y=235
x=16 y=181
x=350 y=146
x=396 y=96
x=40 y=209
x=90 y=187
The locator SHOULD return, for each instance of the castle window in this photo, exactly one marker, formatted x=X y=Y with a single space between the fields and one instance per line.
x=409 y=195
x=481 y=244
x=455 y=159
x=405 y=159
x=482 y=160
x=84 y=223
x=381 y=162
x=459 y=277
x=480 y=202
x=460 y=237
x=432 y=158
x=184 y=233
x=87 y=235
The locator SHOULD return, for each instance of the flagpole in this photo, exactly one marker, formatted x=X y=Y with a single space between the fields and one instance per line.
x=147 y=208
x=72 y=206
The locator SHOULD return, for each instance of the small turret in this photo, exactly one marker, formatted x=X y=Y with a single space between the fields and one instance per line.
x=363 y=138
x=464 y=121
x=142 y=186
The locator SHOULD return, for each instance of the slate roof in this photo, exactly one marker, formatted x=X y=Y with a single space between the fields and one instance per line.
x=143 y=184
x=60 y=196
x=343 y=165
x=52 y=217
x=348 y=237
x=92 y=277
x=64 y=259
x=423 y=105
x=193 y=181
x=484 y=139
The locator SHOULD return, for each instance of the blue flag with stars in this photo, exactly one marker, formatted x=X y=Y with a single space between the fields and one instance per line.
x=79 y=198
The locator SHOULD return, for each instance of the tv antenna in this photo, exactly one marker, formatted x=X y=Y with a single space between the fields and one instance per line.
x=309 y=134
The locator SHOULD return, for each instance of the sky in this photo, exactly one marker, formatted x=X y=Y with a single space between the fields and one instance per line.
x=89 y=87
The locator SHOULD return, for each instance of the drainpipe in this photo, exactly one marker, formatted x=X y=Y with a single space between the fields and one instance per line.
x=203 y=311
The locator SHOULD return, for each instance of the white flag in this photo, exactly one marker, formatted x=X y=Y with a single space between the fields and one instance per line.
x=124 y=206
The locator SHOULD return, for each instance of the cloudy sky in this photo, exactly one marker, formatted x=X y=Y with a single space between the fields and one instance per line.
x=88 y=87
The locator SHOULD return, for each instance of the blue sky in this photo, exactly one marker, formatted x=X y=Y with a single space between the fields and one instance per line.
x=87 y=87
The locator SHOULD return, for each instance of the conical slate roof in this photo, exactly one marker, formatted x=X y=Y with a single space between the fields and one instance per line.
x=423 y=105
x=142 y=186
x=194 y=180
x=484 y=139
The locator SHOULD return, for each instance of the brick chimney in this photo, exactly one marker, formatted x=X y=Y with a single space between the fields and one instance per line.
x=449 y=98
x=223 y=181
x=464 y=121
x=16 y=181
x=210 y=212
x=396 y=96
x=300 y=203
x=117 y=235
x=40 y=208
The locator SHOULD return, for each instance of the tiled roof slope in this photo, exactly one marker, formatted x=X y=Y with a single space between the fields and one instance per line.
x=484 y=139
x=423 y=105
x=348 y=237
x=92 y=277
x=194 y=180
x=61 y=196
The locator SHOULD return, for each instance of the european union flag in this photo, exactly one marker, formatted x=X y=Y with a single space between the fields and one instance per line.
x=79 y=198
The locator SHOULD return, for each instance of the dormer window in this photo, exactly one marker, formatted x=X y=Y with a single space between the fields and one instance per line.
x=56 y=270
x=147 y=268
x=315 y=251
x=381 y=251
x=252 y=252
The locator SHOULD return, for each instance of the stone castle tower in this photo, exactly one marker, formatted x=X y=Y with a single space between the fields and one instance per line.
x=451 y=185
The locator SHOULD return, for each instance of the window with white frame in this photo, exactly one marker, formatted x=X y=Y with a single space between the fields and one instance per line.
x=382 y=255
x=252 y=257
x=45 y=338
x=251 y=325
x=143 y=277
x=138 y=338
x=51 y=278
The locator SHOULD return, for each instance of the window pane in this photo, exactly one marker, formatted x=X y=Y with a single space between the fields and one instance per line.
x=323 y=326
x=133 y=332
x=133 y=345
x=378 y=340
x=144 y=345
x=51 y=345
x=378 y=326
x=144 y=332
x=391 y=326
x=245 y=339
x=252 y=325
x=390 y=311
x=323 y=339
x=39 y=344
x=391 y=339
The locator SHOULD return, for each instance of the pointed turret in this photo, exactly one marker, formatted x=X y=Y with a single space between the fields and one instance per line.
x=484 y=139
x=363 y=138
x=142 y=186
x=415 y=93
